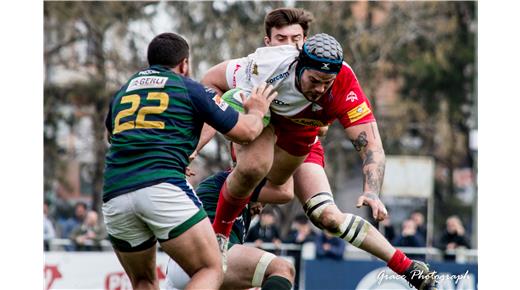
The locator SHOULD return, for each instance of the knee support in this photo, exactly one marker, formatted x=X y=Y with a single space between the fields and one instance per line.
x=353 y=229
x=315 y=205
x=261 y=267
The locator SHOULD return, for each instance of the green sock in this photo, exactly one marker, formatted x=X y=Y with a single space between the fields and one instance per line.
x=276 y=283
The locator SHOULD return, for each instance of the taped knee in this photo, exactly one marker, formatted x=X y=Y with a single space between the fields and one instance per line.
x=261 y=267
x=354 y=229
x=315 y=206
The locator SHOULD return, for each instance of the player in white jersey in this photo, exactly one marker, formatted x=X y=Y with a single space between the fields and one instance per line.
x=314 y=87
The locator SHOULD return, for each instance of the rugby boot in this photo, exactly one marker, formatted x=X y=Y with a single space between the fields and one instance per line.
x=420 y=276
x=223 y=247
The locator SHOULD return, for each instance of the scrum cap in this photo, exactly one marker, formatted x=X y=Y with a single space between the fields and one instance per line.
x=320 y=52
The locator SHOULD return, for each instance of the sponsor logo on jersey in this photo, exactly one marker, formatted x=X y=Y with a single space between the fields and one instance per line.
x=352 y=96
x=278 y=77
x=237 y=66
x=146 y=83
x=249 y=70
x=220 y=102
x=315 y=107
x=148 y=72
x=278 y=102
x=255 y=69
x=358 y=112
x=309 y=122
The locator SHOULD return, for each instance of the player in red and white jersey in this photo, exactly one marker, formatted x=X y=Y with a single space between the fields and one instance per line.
x=314 y=88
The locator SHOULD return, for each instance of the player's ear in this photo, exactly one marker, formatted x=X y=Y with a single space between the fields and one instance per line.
x=267 y=40
x=184 y=67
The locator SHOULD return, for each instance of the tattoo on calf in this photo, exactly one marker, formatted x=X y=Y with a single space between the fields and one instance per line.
x=361 y=141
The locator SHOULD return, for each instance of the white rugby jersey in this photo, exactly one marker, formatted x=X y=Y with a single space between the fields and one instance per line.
x=273 y=66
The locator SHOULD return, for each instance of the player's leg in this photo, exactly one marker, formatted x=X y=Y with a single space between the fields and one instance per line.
x=251 y=267
x=133 y=243
x=174 y=214
x=196 y=250
x=309 y=181
x=253 y=163
x=140 y=267
x=284 y=165
x=313 y=190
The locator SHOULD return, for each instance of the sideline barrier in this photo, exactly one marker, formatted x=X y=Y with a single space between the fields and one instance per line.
x=363 y=275
x=101 y=270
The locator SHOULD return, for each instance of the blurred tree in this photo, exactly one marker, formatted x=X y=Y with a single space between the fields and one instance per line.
x=76 y=42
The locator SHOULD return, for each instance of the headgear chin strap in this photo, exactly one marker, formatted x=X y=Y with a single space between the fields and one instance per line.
x=320 y=52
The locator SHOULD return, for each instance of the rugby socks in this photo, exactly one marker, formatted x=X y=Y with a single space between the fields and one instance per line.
x=277 y=283
x=399 y=262
x=228 y=209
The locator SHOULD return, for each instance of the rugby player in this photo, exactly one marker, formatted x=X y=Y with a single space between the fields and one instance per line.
x=247 y=266
x=154 y=123
x=314 y=87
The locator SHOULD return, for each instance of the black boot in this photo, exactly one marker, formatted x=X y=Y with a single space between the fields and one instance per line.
x=420 y=276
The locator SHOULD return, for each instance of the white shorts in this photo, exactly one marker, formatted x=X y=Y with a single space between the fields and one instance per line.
x=135 y=220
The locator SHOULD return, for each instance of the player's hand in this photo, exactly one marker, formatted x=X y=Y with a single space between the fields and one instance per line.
x=379 y=211
x=255 y=207
x=189 y=172
x=261 y=98
x=193 y=155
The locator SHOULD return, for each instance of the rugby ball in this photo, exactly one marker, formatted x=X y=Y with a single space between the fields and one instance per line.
x=232 y=98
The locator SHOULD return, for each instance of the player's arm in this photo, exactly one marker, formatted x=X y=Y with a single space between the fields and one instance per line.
x=367 y=141
x=212 y=79
x=215 y=78
x=246 y=129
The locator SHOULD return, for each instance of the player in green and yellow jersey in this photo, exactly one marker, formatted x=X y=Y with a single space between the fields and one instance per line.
x=154 y=123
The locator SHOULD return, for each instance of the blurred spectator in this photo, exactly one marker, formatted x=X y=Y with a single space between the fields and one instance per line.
x=265 y=230
x=66 y=226
x=418 y=218
x=302 y=232
x=409 y=237
x=329 y=246
x=453 y=237
x=388 y=228
x=48 y=227
x=88 y=236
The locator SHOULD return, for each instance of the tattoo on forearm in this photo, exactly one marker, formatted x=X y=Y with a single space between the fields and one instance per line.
x=372 y=196
x=369 y=159
x=373 y=176
x=361 y=141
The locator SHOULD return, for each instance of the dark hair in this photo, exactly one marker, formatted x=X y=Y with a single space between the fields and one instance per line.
x=287 y=16
x=167 y=49
x=82 y=204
